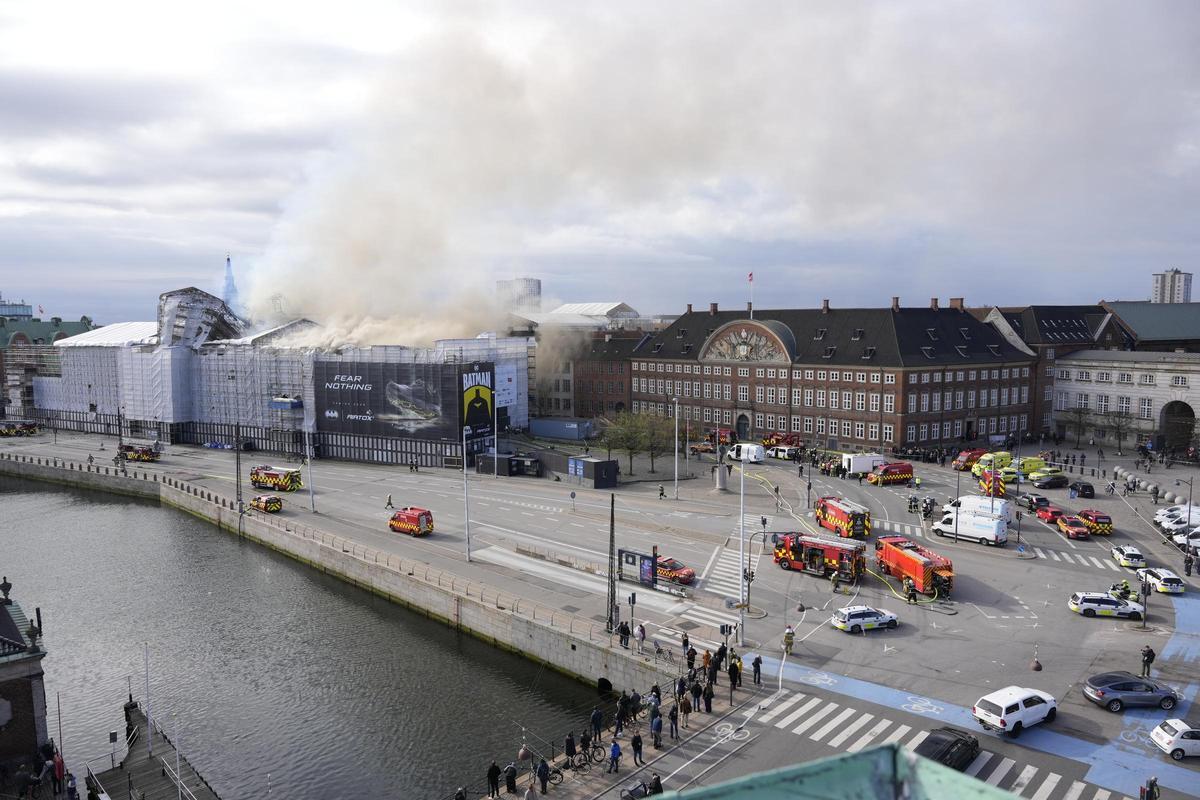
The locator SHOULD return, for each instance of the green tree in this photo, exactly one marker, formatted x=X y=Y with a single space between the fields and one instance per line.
x=624 y=433
x=658 y=435
x=1120 y=423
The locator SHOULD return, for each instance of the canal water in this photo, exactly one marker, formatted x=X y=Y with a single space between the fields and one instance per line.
x=265 y=666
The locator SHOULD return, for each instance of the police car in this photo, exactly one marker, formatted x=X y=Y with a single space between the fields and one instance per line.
x=1163 y=580
x=1104 y=604
x=1128 y=556
x=856 y=619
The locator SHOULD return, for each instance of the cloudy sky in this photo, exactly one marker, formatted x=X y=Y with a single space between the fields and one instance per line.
x=365 y=159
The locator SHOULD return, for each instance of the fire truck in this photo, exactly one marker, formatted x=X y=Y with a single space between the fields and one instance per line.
x=281 y=479
x=821 y=555
x=931 y=573
x=17 y=427
x=721 y=436
x=844 y=517
x=896 y=472
x=140 y=451
x=412 y=520
x=991 y=484
x=966 y=459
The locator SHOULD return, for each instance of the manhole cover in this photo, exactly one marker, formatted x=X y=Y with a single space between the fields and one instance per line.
x=571 y=609
x=687 y=625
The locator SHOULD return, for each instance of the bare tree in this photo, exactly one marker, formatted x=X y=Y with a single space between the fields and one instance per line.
x=1077 y=419
x=658 y=435
x=625 y=433
x=1120 y=423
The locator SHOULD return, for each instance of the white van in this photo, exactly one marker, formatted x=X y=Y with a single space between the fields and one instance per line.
x=747 y=453
x=977 y=504
x=862 y=462
x=983 y=528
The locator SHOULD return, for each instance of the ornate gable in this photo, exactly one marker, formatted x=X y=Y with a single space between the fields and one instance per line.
x=744 y=341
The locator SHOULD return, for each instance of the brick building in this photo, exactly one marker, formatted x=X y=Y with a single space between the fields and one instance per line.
x=863 y=378
x=602 y=383
x=22 y=690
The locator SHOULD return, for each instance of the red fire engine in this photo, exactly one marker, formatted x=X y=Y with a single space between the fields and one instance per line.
x=412 y=520
x=844 y=517
x=821 y=555
x=991 y=484
x=281 y=479
x=896 y=472
x=931 y=573
x=966 y=459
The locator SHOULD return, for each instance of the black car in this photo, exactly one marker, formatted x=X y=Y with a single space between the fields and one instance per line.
x=1033 y=501
x=1083 y=489
x=1051 y=482
x=950 y=746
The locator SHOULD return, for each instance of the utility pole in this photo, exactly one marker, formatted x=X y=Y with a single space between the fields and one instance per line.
x=675 y=400
x=312 y=486
x=742 y=553
x=237 y=472
x=612 y=562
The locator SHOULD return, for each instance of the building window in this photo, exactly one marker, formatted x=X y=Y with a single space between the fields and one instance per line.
x=820 y=374
x=860 y=430
x=937 y=401
x=874 y=401
x=1104 y=377
x=875 y=377
x=1081 y=400
x=912 y=402
x=958 y=427
x=992 y=425
x=924 y=377
x=846 y=400
x=937 y=377
x=1050 y=353
x=889 y=404
x=1082 y=375
x=845 y=429
x=1024 y=372
x=795 y=374
x=1146 y=379
x=808 y=425
x=820 y=426
x=758 y=394
x=770 y=373
x=743 y=372
x=910 y=433
x=861 y=377
x=743 y=393
x=808 y=374
x=834 y=398
x=795 y=396
x=1144 y=406
x=707 y=390
x=946 y=430
x=888 y=378
x=1179 y=380
x=924 y=432
x=1102 y=403
x=707 y=414
x=808 y=397
x=771 y=395
x=888 y=433
x=1124 y=377
x=770 y=422
x=820 y=398
x=994 y=397
x=873 y=431
x=758 y=373
x=1024 y=422
x=795 y=425
x=995 y=374
x=958 y=400
x=1024 y=394
x=1004 y=396
x=971 y=398
x=758 y=422
x=971 y=375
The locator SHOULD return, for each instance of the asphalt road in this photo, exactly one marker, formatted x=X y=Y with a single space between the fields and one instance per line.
x=1006 y=605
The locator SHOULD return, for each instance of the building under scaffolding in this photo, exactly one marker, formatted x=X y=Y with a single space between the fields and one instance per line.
x=194 y=377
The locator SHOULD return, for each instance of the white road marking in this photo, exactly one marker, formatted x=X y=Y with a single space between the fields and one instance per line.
x=916 y=740
x=1102 y=794
x=1099 y=564
x=780 y=707
x=869 y=736
x=1054 y=555
x=1000 y=771
x=799 y=712
x=814 y=718
x=1075 y=791
x=978 y=764
x=1040 y=552
x=897 y=734
x=1043 y=792
x=1023 y=779
x=1112 y=566
x=850 y=729
x=828 y=727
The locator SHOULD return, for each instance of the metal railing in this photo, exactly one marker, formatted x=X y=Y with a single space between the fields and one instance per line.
x=169 y=771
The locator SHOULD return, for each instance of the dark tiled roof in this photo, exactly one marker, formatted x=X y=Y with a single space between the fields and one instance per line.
x=1158 y=321
x=1055 y=325
x=616 y=349
x=863 y=337
x=40 y=331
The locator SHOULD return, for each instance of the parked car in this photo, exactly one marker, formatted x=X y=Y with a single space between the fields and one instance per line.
x=1104 y=604
x=1033 y=501
x=1073 y=527
x=1013 y=708
x=1051 y=482
x=1128 y=556
x=1044 y=472
x=1174 y=511
x=856 y=619
x=702 y=447
x=1188 y=539
x=782 y=452
x=1177 y=738
x=950 y=746
x=1116 y=690
x=1161 y=579
x=1049 y=514
x=1181 y=523
x=1083 y=489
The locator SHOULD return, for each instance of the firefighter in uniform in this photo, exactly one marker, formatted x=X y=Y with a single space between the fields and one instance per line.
x=789 y=638
x=912 y=503
x=910 y=590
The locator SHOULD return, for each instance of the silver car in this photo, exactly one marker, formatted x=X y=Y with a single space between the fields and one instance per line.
x=1115 y=690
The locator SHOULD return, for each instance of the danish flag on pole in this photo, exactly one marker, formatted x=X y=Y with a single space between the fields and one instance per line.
x=751 y=277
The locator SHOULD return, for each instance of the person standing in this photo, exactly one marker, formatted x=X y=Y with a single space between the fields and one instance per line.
x=569 y=747
x=388 y=504
x=1147 y=660
x=708 y=697
x=656 y=725
x=530 y=794
x=636 y=745
x=493 y=778
x=685 y=643
x=706 y=660
x=691 y=658
x=722 y=651
x=60 y=771
x=543 y=774
x=685 y=709
x=696 y=691
x=640 y=635
x=734 y=673
x=510 y=778
x=673 y=718
x=614 y=758
x=757 y=665
x=1152 y=791
x=1188 y=561
x=623 y=634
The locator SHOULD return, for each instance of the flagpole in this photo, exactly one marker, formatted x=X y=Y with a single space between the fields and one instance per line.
x=751 y=295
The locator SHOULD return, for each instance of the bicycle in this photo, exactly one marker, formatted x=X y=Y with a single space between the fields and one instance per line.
x=663 y=653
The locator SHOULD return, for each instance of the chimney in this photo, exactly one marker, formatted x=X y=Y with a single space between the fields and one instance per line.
x=712 y=309
x=608 y=337
x=825 y=306
x=749 y=307
x=689 y=308
x=933 y=303
x=956 y=303
x=895 y=304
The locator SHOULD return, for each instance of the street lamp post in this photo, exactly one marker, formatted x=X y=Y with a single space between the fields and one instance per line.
x=742 y=552
x=466 y=492
x=1189 y=482
x=675 y=400
x=957 y=490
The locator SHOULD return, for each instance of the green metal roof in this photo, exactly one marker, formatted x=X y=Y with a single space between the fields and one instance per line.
x=39 y=331
x=888 y=771
x=1158 y=321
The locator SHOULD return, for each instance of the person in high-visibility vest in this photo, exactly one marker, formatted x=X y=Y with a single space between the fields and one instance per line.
x=789 y=638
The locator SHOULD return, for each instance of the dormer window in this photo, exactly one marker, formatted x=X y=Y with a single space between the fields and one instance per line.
x=932 y=334
x=965 y=333
x=868 y=354
x=994 y=349
x=657 y=346
x=820 y=334
x=928 y=351
x=829 y=351
x=687 y=348
x=858 y=334
x=962 y=350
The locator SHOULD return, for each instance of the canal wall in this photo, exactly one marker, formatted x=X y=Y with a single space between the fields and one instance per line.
x=573 y=645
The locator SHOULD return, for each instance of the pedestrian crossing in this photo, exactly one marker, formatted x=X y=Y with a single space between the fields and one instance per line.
x=753 y=523
x=1076 y=558
x=711 y=619
x=879 y=526
x=844 y=727
x=725 y=577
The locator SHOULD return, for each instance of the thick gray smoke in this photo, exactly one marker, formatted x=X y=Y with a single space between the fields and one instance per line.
x=646 y=125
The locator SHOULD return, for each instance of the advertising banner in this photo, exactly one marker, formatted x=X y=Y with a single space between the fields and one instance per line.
x=382 y=399
x=477 y=399
x=506 y=385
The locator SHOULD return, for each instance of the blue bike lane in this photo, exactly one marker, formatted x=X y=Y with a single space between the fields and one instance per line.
x=1121 y=765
